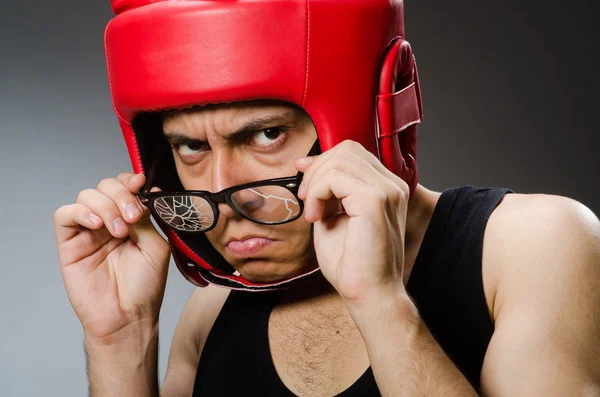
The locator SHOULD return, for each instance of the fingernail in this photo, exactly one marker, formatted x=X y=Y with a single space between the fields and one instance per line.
x=119 y=225
x=304 y=160
x=132 y=210
x=95 y=219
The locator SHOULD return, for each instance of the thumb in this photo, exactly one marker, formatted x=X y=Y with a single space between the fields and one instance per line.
x=148 y=239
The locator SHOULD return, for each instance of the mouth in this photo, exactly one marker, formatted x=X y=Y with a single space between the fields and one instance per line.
x=247 y=246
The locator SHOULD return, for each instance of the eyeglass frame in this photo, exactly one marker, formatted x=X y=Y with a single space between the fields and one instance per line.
x=291 y=183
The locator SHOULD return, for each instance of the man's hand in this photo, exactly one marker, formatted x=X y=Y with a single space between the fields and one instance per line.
x=360 y=244
x=113 y=261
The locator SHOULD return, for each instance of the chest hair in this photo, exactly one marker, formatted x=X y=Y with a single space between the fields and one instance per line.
x=316 y=348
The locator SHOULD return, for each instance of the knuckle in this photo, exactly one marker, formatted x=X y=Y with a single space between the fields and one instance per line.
x=404 y=189
x=104 y=183
x=348 y=144
x=376 y=204
x=337 y=163
x=60 y=212
x=124 y=176
x=333 y=174
x=396 y=195
x=378 y=199
x=381 y=197
x=84 y=194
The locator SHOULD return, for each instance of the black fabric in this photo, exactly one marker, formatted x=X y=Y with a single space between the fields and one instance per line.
x=446 y=285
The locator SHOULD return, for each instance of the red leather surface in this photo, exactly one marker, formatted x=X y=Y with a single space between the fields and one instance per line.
x=399 y=111
x=323 y=55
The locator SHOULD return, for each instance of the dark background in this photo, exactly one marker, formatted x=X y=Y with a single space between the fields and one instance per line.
x=510 y=94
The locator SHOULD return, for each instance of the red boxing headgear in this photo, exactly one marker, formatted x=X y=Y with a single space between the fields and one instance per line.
x=345 y=62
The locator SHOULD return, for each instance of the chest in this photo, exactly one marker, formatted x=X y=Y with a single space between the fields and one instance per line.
x=316 y=350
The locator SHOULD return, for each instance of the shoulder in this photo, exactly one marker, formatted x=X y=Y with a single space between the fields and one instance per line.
x=191 y=332
x=195 y=323
x=201 y=311
x=533 y=242
x=542 y=255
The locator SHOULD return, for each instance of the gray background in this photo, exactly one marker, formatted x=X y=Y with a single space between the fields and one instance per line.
x=510 y=94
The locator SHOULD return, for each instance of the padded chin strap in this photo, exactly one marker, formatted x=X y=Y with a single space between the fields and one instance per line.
x=201 y=277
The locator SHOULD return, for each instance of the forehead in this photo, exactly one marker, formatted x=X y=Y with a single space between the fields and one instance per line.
x=232 y=116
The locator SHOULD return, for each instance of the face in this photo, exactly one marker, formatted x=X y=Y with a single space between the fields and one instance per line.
x=217 y=147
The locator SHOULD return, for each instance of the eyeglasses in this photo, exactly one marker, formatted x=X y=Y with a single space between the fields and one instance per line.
x=268 y=202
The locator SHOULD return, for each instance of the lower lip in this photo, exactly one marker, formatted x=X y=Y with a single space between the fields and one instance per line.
x=248 y=247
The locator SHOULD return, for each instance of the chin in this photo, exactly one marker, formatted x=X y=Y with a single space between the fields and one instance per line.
x=259 y=270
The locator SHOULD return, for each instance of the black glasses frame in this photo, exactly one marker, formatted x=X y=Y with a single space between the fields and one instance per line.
x=291 y=183
x=224 y=196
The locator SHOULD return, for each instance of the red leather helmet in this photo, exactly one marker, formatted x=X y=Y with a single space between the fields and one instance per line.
x=345 y=62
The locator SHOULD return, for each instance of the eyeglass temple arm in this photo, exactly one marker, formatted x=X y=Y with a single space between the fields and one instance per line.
x=314 y=150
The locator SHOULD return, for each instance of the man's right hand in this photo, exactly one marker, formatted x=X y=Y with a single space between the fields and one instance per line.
x=113 y=261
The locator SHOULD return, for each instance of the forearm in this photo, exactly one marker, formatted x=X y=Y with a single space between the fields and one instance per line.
x=405 y=358
x=124 y=367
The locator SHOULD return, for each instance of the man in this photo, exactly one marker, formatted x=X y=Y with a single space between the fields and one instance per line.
x=380 y=285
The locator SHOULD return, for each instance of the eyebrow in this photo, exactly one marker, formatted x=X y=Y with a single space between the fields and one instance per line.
x=248 y=127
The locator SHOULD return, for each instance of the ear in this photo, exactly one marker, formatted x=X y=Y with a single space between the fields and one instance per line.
x=399 y=111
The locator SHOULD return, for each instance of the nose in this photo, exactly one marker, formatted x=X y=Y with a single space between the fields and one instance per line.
x=249 y=201
x=225 y=173
x=226 y=211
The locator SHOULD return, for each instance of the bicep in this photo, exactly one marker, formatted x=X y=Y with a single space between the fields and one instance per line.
x=190 y=334
x=530 y=355
x=547 y=331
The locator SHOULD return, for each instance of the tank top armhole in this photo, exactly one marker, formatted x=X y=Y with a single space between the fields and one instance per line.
x=213 y=337
x=438 y=223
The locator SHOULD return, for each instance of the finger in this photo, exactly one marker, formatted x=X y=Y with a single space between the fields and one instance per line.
x=395 y=197
x=303 y=162
x=106 y=209
x=133 y=182
x=128 y=204
x=83 y=245
x=69 y=218
x=357 y=166
x=344 y=150
x=308 y=165
x=357 y=197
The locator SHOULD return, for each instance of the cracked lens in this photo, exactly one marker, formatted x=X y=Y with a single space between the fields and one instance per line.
x=185 y=213
x=269 y=204
x=291 y=205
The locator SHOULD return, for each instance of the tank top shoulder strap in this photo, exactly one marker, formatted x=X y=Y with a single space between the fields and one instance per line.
x=446 y=282
x=230 y=345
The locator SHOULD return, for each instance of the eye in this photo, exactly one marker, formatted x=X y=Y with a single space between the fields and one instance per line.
x=268 y=136
x=188 y=149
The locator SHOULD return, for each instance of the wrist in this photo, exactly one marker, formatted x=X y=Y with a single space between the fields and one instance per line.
x=131 y=334
x=383 y=307
x=124 y=363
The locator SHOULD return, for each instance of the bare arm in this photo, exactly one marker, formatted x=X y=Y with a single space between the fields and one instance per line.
x=190 y=335
x=126 y=366
x=547 y=317
x=547 y=312
x=405 y=358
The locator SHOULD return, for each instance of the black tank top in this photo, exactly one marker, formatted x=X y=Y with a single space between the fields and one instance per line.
x=445 y=283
